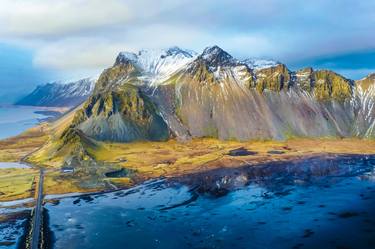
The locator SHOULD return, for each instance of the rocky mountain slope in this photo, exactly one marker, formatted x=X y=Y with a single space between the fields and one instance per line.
x=219 y=96
x=58 y=94
x=365 y=105
x=156 y=95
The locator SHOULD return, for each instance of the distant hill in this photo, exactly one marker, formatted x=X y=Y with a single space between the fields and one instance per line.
x=58 y=94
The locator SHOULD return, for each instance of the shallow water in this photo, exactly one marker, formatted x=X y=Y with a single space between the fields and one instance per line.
x=16 y=119
x=13 y=229
x=12 y=165
x=315 y=203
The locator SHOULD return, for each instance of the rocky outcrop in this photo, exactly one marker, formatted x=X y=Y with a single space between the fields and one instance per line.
x=275 y=78
x=331 y=86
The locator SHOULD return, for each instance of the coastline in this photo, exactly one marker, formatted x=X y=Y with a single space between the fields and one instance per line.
x=142 y=161
x=142 y=180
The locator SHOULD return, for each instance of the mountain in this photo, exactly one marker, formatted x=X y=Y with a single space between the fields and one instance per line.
x=157 y=95
x=156 y=65
x=232 y=101
x=365 y=103
x=367 y=82
x=118 y=110
x=58 y=94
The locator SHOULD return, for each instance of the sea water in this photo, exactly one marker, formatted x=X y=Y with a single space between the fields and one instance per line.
x=16 y=119
x=311 y=203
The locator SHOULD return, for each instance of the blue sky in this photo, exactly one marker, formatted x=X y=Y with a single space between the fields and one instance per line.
x=18 y=75
x=42 y=40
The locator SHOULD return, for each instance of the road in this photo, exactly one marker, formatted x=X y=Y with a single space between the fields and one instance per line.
x=37 y=217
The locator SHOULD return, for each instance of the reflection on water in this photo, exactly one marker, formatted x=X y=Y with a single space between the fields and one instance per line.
x=314 y=203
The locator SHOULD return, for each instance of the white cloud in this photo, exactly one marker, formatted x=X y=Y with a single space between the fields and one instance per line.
x=77 y=53
x=96 y=53
x=35 y=18
x=68 y=35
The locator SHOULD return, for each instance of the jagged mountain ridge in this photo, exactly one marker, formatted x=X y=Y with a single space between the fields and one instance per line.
x=216 y=95
x=59 y=94
x=157 y=65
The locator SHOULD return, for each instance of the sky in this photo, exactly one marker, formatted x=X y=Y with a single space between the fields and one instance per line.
x=46 y=40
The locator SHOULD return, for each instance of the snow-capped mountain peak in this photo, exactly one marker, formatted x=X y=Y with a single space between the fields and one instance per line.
x=216 y=57
x=258 y=64
x=158 y=62
x=125 y=57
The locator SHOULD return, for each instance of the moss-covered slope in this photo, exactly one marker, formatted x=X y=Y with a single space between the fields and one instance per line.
x=273 y=78
x=123 y=115
x=329 y=85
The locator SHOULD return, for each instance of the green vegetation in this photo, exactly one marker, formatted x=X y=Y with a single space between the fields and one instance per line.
x=325 y=84
x=273 y=78
x=145 y=160
x=17 y=183
x=139 y=117
x=171 y=158
x=329 y=85
x=110 y=78
x=15 y=148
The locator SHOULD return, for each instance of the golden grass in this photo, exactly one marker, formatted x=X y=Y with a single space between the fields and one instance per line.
x=57 y=183
x=17 y=183
x=155 y=159
x=47 y=155
x=121 y=182
x=150 y=159
x=15 y=148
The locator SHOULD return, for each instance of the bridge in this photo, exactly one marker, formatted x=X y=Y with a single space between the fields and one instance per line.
x=37 y=215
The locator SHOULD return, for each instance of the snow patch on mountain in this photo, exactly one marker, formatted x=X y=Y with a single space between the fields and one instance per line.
x=258 y=64
x=157 y=65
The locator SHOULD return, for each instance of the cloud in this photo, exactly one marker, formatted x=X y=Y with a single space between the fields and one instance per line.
x=36 y=18
x=73 y=35
x=64 y=18
x=99 y=53
x=71 y=54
